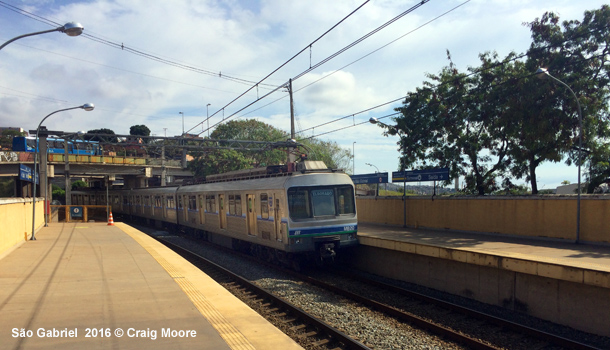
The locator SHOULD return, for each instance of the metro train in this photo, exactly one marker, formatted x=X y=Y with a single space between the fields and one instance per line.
x=56 y=145
x=275 y=214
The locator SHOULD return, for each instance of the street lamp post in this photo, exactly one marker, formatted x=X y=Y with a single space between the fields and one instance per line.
x=71 y=29
x=374 y=120
x=541 y=73
x=68 y=183
x=376 y=171
x=87 y=107
x=182 y=123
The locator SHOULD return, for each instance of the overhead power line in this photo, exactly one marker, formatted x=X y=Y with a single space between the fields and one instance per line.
x=354 y=43
x=275 y=70
x=134 y=51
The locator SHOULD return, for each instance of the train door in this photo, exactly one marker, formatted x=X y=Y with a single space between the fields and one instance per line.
x=201 y=209
x=277 y=217
x=222 y=211
x=251 y=214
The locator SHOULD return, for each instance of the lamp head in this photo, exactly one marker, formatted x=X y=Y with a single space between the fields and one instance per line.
x=373 y=120
x=72 y=29
x=541 y=73
x=88 y=106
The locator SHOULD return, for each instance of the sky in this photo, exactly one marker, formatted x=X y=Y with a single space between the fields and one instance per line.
x=204 y=57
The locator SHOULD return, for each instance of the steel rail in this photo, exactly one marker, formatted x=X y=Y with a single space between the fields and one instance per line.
x=535 y=333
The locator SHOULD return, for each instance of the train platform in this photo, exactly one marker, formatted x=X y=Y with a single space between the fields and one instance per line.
x=563 y=282
x=91 y=285
x=580 y=263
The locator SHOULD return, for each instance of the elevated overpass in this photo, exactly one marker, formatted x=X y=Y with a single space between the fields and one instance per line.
x=136 y=171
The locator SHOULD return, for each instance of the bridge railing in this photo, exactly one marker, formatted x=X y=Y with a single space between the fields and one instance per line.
x=28 y=157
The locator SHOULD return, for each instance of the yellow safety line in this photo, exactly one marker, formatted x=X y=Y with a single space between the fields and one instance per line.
x=234 y=338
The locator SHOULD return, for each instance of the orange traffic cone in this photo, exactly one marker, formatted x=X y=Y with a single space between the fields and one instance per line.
x=110 y=220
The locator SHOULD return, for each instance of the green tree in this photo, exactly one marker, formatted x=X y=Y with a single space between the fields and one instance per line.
x=58 y=194
x=499 y=121
x=218 y=161
x=92 y=137
x=451 y=122
x=576 y=52
x=222 y=160
x=140 y=130
x=329 y=152
x=79 y=184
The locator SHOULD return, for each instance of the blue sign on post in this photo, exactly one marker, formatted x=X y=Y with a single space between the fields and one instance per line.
x=76 y=212
x=376 y=178
x=439 y=174
x=25 y=173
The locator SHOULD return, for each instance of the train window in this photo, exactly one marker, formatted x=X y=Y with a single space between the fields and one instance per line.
x=264 y=206
x=323 y=202
x=346 y=203
x=310 y=202
x=171 y=203
x=232 y=204
x=238 y=205
x=210 y=204
x=298 y=203
x=193 y=203
x=158 y=202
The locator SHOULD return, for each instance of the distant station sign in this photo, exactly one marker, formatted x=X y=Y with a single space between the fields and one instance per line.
x=439 y=174
x=76 y=212
x=25 y=173
x=376 y=178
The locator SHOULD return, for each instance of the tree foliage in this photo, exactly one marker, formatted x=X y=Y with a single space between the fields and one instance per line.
x=498 y=121
x=329 y=152
x=139 y=130
x=110 y=139
x=223 y=160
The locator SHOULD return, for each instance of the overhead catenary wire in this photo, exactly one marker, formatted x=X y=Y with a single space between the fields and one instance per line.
x=278 y=68
x=353 y=62
x=327 y=59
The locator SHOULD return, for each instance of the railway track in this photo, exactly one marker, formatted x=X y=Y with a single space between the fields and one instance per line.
x=313 y=333
x=522 y=330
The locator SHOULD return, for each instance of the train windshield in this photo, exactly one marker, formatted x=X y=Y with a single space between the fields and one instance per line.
x=321 y=201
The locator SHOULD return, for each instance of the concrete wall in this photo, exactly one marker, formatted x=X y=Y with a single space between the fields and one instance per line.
x=578 y=305
x=553 y=217
x=16 y=221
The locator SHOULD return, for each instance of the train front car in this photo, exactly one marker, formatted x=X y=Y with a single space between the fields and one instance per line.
x=321 y=213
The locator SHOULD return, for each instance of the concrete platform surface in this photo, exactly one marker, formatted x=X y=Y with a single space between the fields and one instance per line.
x=581 y=263
x=89 y=285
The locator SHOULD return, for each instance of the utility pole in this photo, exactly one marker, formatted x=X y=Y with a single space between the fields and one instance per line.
x=291 y=156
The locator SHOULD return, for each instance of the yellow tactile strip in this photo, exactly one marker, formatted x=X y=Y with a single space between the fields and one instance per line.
x=234 y=338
